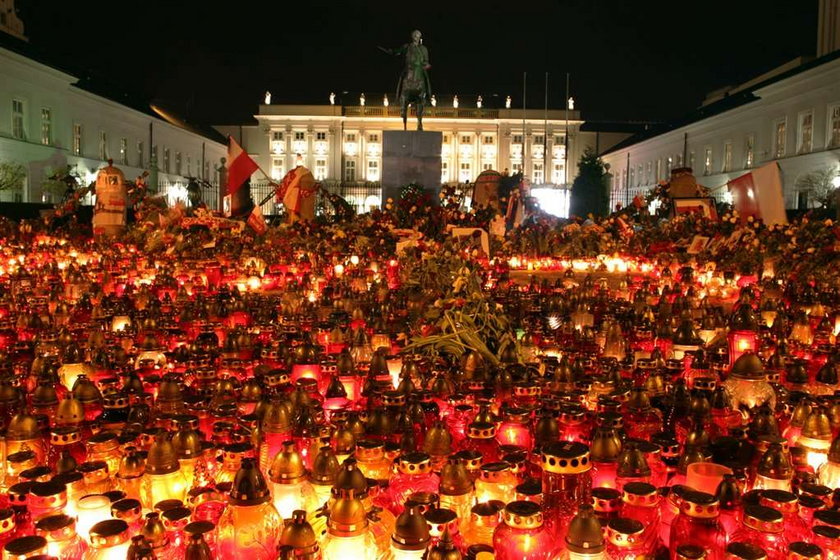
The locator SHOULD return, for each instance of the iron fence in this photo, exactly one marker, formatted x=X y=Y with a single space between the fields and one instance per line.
x=363 y=196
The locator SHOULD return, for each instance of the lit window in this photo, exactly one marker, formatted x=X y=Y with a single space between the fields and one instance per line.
x=77 y=139
x=320 y=169
x=806 y=132
x=124 y=151
x=691 y=160
x=780 y=138
x=278 y=146
x=539 y=174
x=103 y=145
x=466 y=149
x=46 y=126
x=277 y=168
x=18 y=119
x=321 y=144
x=465 y=175
x=372 y=170
x=538 y=148
x=351 y=147
x=374 y=148
x=350 y=170
x=632 y=177
x=668 y=167
x=707 y=162
x=749 y=151
x=299 y=144
x=559 y=152
x=488 y=149
x=558 y=174
x=835 y=127
x=727 y=157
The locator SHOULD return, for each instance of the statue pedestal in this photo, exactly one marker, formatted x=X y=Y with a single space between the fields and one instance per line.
x=410 y=156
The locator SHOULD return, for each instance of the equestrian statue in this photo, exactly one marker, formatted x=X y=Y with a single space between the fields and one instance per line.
x=414 y=86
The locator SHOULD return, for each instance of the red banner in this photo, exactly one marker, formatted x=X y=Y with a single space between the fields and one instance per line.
x=744 y=198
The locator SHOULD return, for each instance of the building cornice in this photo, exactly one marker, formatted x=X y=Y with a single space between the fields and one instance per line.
x=31 y=64
x=428 y=120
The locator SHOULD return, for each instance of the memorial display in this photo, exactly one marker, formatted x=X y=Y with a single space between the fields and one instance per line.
x=400 y=384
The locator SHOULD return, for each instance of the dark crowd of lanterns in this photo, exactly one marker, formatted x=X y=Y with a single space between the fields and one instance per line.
x=162 y=407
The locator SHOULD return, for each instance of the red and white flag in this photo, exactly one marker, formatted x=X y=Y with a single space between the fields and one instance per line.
x=256 y=221
x=240 y=166
x=759 y=194
x=298 y=184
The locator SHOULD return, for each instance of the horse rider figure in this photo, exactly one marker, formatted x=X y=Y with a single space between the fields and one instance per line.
x=414 y=86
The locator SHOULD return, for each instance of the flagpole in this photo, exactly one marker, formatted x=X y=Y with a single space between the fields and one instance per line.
x=566 y=134
x=266 y=199
x=524 y=112
x=545 y=132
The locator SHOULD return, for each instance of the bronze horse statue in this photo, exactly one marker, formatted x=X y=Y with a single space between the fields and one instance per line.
x=414 y=85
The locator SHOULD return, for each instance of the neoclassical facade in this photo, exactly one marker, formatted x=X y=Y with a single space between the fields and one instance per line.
x=344 y=143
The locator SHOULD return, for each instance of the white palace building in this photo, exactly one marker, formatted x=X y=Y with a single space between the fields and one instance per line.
x=342 y=144
x=790 y=115
x=52 y=117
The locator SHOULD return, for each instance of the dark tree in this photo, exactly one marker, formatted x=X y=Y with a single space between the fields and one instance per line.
x=590 y=190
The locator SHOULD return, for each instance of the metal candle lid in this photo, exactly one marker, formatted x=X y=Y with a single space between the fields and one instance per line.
x=565 y=458
x=523 y=515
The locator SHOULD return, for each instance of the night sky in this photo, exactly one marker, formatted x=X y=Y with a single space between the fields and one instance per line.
x=628 y=59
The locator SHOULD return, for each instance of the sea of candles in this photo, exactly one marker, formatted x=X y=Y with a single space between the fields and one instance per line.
x=239 y=404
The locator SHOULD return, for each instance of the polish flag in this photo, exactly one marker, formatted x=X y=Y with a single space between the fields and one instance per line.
x=298 y=184
x=256 y=220
x=759 y=194
x=240 y=166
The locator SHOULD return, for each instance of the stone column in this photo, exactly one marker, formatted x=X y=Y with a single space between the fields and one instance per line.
x=290 y=155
